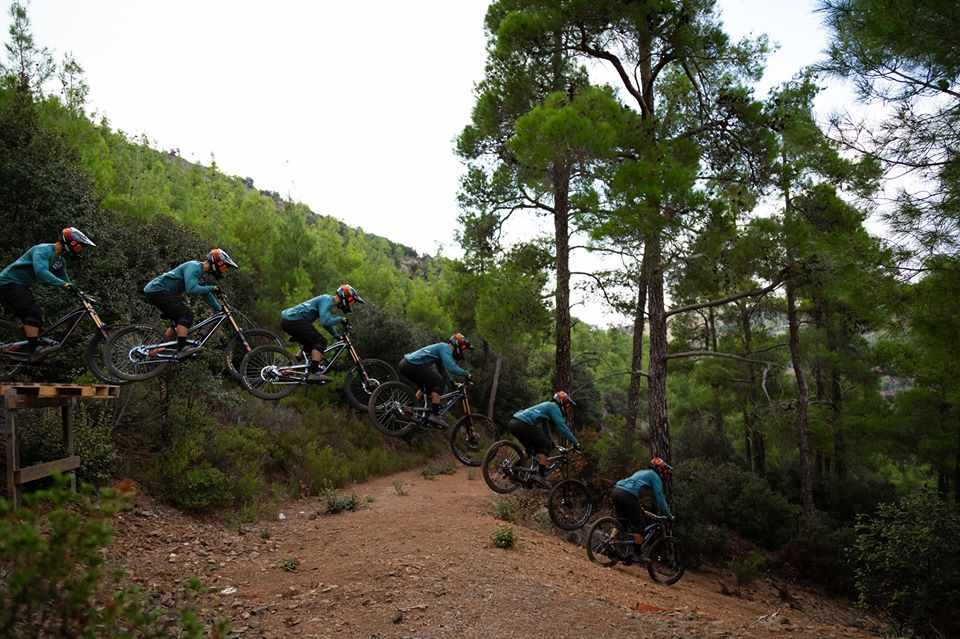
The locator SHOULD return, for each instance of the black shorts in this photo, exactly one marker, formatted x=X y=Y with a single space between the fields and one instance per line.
x=424 y=376
x=628 y=508
x=173 y=307
x=304 y=334
x=534 y=437
x=18 y=301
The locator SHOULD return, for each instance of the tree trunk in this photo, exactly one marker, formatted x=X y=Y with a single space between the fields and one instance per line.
x=956 y=471
x=806 y=463
x=493 y=387
x=636 y=361
x=657 y=402
x=754 y=448
x=561 y=202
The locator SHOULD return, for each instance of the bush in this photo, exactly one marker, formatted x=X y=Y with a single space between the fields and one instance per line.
x=504 y=537
x=432 y=470
x=337 y=503
x=819 y=553
x=907 y=561
x=748 y=568
x=728 y=496
x=56 y=581
x=505 y=508
x=42 y=441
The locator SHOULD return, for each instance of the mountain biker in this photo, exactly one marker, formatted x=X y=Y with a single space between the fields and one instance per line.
x=46 y=263
x=628 y=492
x=532 y=427
x=166 y=293
x=298 y=321
x=422 y=368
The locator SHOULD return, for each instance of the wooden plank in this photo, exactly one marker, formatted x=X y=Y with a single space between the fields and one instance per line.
x=13 y=459
x=39 y=471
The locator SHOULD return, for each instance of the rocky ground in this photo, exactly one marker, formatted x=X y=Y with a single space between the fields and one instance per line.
x=422 y=565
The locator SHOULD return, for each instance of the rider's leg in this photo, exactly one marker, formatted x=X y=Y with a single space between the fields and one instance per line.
x=316 y=359
x=32 y=333
x=182 y=331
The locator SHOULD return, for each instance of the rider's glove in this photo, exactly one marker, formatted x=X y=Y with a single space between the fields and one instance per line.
x=468 y=378
x=69 y=286
x=578 y=447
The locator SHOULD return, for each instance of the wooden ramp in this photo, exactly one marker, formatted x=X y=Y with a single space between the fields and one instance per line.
x=17 y=397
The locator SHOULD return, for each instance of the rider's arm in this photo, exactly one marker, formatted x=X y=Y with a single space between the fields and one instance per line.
x=446 y=356
x=192 y=285
x=41 y=269
x=328 y=320
x=556 y=416
x=662 y=505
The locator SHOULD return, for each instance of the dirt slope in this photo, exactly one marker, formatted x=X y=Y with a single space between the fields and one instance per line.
x=422 y=565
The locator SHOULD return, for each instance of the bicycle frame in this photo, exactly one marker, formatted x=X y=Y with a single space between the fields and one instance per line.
x=73 y=319
x=215 y=321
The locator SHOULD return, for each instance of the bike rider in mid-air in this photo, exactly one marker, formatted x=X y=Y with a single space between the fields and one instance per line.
x=166 y=293
x=421 y=367
x=298 y=321
x=628 y=492
x=531 y=426
x=48 y=264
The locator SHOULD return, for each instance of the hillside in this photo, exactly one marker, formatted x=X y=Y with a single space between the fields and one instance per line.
x=422 y=565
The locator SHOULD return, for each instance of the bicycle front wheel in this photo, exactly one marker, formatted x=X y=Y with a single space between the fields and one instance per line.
x=570 y=504
x=95 y=358
x=602 y=542
x=471 y=437
x=499 y=464
x=10 y=333
x=237 y=350
x=391 y=409
x=128 y=357
x=666 y=564
x=267 y=372
x=358 y=390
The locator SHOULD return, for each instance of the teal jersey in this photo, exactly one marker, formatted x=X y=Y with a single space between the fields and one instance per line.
x=550 y=413
x=319 y=308
x=441 y=352
x=184 y=279
x=647 y=480
x=39 y=263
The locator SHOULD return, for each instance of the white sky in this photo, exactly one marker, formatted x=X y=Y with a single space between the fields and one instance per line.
x=349 y=107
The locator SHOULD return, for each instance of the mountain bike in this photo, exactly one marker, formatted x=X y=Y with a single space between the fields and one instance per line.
x=271 y=372
x=54 y=338
x=507 y=467
x=396 y=410
x=139 y=352
x=609 y=542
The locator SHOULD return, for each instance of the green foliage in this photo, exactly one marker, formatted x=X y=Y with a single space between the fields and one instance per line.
x=57 y=582
x=504 y=537
x=747 y=569
x=290 y=564
x=505 y=508
x=906 y=560
x=736 y=499
x=335 y=503
x=435 y=469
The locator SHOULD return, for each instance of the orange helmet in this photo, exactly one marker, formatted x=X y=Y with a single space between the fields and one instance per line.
x=563 y=399
x=346 y=297
x=73 y=239
x=663 y=468
x=460 y=345
x=219 y=262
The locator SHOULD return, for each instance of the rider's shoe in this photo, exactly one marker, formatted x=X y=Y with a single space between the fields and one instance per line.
x=317 y=377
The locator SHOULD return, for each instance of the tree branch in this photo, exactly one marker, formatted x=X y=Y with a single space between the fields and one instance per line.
x=739 y=358
x=725 y=300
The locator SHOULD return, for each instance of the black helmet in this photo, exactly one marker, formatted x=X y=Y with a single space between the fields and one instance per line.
x=460 y=344
x=346 y=297
x=219 y=262
x=74 y=239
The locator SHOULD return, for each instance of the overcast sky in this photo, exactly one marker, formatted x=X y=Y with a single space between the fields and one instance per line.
x=349 y=107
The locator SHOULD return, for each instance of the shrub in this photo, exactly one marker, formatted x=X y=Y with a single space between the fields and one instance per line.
x=290 y=564
x=906 y=560
x=504 y=537
x=819 y=553
x=400 y=487
x=201 y=488
x=337 y=503
x=505 y=508
x=56 y=581
x=748 y=568
x=432 y=470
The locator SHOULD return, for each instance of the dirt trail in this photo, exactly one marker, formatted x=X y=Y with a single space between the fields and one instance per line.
x=422 y=565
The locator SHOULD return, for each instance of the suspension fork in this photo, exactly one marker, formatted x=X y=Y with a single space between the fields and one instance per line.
x=236 y=327
x=356 y=359
x=92 y=312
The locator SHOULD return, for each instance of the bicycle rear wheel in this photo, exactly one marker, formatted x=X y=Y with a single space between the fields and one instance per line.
x=126 y=358
x=391 y=409
x=498 y=465
x=471 y=437
x=666 y=564
x=236 y=350
x=357 y=390
x=602 y=546
x=570 y=504
x=263 y=372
